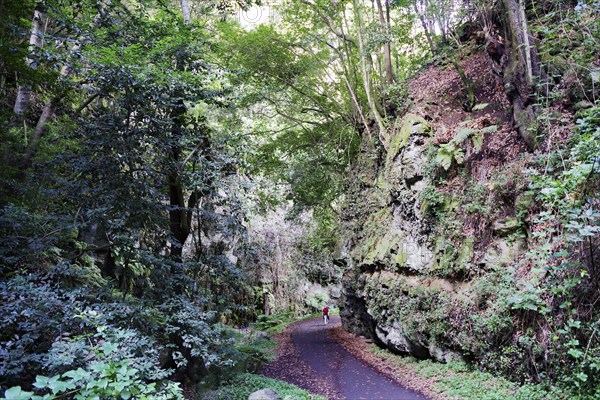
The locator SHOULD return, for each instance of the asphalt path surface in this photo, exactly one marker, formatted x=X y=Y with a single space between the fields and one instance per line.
x=334 y=364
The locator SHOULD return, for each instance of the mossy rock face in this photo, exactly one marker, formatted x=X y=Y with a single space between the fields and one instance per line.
x=410 y=124
x=378 y=249
x=528 y=126
x=386 y=245
x=503 y=252
x=506 y=226
x=411 y=313
x=452 y=260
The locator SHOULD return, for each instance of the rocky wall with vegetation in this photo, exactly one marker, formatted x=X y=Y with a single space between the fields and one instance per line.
x=465 y=237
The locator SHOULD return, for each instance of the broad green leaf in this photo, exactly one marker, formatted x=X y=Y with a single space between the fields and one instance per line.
x=582 y=377
x=16 y=393
x=77 y=374
x=575 y=353
x=41 y=381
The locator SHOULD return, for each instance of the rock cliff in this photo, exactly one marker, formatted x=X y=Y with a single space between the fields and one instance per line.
x=427 y=249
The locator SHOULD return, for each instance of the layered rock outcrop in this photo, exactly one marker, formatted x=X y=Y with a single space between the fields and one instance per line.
x=414 y=279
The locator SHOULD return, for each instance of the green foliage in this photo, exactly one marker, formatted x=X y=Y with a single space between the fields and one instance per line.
x=564 y=190
x=47 y=321
x=464 y=381
x=313 y=253
x=563 y=261
x=453 y=151
x=104 y=380
x=316 y=300
x=568 y=37
x=90 y=225
x=111 y=362
x=480 y=106
x=274 y=323
x=260 y=351
x=240 y=387
x=432 y=202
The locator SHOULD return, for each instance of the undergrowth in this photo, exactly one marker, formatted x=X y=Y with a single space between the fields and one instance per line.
x=276 y=323
x=461 y=381
x=240 y=387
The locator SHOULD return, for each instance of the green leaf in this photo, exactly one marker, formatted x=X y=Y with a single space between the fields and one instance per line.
x=462 y=134
x=16 y=393
x=575 y=353
x=582 y=377
x=477 y=142
x=59 y=386
x=41 y=382
x=459 y=156
x=480 y=106
x=489 y=129
x=444 y=159
x=77 y=374
x=109 y=347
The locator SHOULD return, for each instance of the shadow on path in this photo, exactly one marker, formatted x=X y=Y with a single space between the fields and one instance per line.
x=334 y=364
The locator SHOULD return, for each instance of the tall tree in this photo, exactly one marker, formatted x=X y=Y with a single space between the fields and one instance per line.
x=35 y=42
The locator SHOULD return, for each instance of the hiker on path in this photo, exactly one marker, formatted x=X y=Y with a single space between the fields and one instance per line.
x=326 y=315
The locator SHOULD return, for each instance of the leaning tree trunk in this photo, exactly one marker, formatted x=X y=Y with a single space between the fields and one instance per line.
x=47 y=114
x=521 y=71
x=425 y=26
x=469 y=102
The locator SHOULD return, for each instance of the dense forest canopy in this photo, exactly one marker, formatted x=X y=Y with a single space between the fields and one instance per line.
x=170 y=171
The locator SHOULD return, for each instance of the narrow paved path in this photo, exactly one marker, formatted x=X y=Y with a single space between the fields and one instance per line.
x=334 y=364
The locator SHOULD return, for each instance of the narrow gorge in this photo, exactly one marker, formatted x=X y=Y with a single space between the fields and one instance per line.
x=189 y=188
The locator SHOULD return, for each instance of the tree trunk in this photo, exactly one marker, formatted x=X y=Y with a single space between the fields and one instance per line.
x=40 y=129
x=387 y=48
x=366 y=75
x=425 y=27
x=521 y=71
x=24 y=91
x=470 y=101
x=185 y=10
x=45 y=117
x=178 y=212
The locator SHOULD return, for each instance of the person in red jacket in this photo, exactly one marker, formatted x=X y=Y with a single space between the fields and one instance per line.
x=326 y=315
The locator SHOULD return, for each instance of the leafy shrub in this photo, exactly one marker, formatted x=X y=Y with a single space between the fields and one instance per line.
x=567 y=193
x=46 y=329
x=112 y=363
x=274 y=323
x=453 y=151
x=33 y=313
x=116 y=380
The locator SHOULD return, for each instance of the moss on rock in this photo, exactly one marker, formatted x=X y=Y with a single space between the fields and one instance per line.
x=408 y=125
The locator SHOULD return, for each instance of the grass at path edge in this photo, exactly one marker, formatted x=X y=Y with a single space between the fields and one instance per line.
x=241 y=385
x=461 y=381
